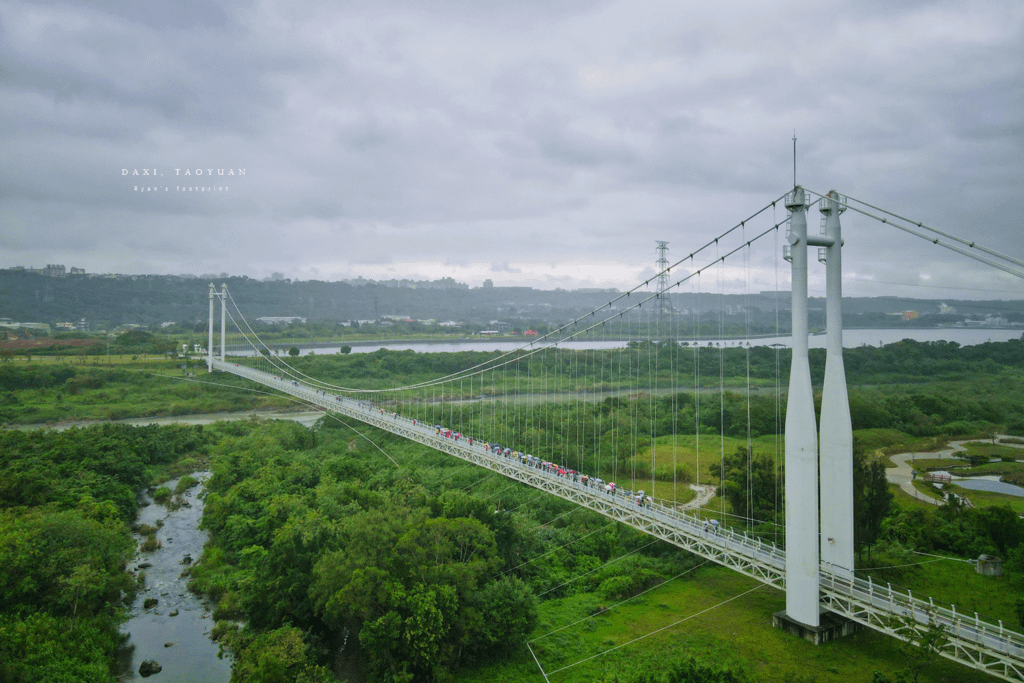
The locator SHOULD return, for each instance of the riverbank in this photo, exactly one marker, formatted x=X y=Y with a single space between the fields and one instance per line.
x=306 y=417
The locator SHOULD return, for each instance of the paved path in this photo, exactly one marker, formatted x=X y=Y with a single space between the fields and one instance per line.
x=902 y=474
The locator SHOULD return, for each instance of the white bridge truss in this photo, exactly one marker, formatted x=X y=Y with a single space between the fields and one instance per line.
x=970 y=640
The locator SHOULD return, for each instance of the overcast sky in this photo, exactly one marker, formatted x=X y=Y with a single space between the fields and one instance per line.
x=535 y=142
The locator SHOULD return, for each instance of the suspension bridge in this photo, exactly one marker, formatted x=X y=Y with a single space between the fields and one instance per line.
x=535 y=414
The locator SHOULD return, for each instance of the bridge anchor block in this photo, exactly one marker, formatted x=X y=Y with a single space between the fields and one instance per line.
x=831 y=626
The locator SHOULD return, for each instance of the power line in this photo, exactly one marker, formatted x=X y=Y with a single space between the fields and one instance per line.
x=621 y=602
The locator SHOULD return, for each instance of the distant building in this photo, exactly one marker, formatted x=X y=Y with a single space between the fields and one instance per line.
x=281 y=320
x=946 y=310
x=13 y=325
x=909 y=315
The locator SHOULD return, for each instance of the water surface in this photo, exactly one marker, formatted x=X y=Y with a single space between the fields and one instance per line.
x=192 y=656
x=851 y=339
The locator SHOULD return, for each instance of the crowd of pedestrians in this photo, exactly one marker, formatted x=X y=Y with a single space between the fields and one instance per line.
x=640 y=498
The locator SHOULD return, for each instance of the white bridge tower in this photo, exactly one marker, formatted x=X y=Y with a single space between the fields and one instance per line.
x=223 y=296
x=807 y=545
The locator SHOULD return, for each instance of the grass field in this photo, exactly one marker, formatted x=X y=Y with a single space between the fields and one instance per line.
x=125 y=388
x=984 y=499
x=713 y=614
x=957 y=582
x=882 y=442
x=902 y=499
x=990 y=450
x=683 y=450
x=962 y=468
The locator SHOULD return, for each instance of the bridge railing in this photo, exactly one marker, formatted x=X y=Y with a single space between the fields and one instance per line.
x=901 y=603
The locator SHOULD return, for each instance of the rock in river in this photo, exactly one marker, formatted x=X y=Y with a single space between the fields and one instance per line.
x=148 y=668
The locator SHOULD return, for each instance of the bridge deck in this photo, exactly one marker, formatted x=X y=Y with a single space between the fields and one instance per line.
x=971 y=640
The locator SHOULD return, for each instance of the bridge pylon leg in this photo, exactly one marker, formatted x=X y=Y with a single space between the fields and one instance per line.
x=836 y=425
x=209 y=339
x=801 y=441
x=223 y=306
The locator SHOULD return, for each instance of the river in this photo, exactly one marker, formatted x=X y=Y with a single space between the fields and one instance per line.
x=180 y=643
x=851 y=339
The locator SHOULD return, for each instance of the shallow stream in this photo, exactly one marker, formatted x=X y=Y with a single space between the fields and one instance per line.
x=180 y=644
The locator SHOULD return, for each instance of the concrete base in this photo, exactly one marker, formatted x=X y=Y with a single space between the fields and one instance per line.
x=832 y=626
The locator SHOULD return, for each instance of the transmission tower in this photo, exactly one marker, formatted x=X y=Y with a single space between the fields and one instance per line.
x=664 y=306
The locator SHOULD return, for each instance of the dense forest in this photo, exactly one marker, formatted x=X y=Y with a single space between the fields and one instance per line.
x=68 y=501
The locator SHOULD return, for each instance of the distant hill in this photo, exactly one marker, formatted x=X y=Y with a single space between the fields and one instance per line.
x=153 y=299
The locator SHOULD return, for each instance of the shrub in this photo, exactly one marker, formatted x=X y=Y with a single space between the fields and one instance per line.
x=185 y=483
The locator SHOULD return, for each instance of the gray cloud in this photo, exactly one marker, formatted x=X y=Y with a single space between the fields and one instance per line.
x=556 y=140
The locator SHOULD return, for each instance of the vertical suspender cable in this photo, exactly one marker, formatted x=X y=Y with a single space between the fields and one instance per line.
x=696 y=367
x=721 y=382
x=778 y=384
x=746 y=335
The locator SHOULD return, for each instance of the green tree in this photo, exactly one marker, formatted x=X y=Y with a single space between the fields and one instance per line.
x=750 y=485
x=278 y=656
x=1003 y=526
x=293 y=351
x=872 y=500
x=919 y=643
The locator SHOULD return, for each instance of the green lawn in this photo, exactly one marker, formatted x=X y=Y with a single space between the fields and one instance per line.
x=990 y=450
x=881 y=442
x=923 y=464
x=683 y=450
x=709 y=615
x=957 y=582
